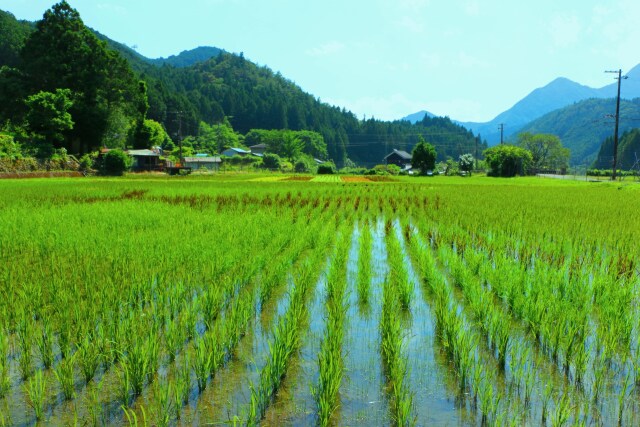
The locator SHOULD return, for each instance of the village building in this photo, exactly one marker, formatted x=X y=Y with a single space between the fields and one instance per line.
x=399 y=158
x=211 y=163
x=230 y=152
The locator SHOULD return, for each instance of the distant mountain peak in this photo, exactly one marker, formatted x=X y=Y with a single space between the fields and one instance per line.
x=189 y=57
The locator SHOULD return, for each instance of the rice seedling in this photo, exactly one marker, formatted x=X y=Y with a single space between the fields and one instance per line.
x=36 y=392
x=64 y=372
x=44 y=342
x=201 y=363
x=94 y=405
x=89 y=359
x=364 y=263
x=164 y=405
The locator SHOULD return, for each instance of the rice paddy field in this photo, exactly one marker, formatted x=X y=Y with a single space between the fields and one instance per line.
x=253 y=300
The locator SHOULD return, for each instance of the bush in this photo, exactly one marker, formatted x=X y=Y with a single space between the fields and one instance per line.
x=86 y=162
x=271 y=161
x=116 y=162
x=508 y=160
x=326 y=168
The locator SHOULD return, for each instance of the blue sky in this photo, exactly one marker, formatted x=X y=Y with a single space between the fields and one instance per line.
x=467 y=59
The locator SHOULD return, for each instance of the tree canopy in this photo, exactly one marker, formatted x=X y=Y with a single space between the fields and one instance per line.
x=508 y=160
x=423 y=156
x=547 y=152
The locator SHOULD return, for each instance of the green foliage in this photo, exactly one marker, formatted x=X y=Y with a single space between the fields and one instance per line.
x=305 y=164
x=63 y=53
x=327 y=168
x=292 y=146
x=423 y=156
x=465 y=162
x=582 y=129
x=9 y=148
x=214 y=138
x=116 y=162
x=13 y=34
x=547 y=152
x=48 y=115
x=628 y=148
x=271 y=161
x=149 y=134
x=508 y=160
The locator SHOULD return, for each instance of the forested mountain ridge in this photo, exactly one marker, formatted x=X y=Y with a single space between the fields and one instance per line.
x=584 y=126
x=228 y=85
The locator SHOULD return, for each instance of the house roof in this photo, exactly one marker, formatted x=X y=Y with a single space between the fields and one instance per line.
x=145 y=152
x=238 y=150
x=259 y=146
x=403 y=154
x=211 y=159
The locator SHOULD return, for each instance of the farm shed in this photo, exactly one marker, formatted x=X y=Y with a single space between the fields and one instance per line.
x=398 y=158
x=211 y=163
x=145 y=160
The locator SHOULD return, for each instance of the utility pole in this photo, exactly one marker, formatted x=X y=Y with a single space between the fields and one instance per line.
x=501 y=127
x=477 y=138
x=615 y=133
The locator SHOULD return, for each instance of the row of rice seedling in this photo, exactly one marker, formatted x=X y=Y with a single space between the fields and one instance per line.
x=398 y=275
x=458 y=339
x=285 y=337
x=330 y=360
x=364 y=262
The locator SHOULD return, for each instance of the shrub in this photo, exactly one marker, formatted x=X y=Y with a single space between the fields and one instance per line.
x=508 y=160
x=271 y=161
x=326 y=168
x=116 y=162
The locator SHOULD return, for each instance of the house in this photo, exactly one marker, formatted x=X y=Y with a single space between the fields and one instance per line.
x=398 y=158
x=211 y=163
x=230 y=152
x=258 y=150
x=145 y=160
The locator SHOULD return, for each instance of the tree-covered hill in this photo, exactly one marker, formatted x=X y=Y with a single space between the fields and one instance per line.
x=208 y=84
x=584 y=126
x=628 y=151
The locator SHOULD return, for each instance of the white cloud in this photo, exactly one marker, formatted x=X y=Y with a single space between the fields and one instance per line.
x=326 y=49
x=466 y=60
x=565 y=30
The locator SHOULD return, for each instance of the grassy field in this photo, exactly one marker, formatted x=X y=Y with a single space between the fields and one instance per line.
x=282 y=300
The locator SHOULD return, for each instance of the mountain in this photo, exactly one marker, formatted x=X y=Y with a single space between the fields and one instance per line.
x=558 y=94
x=628 y=152
x=584 y=126
x=417 y=117
x=211 y=86
x=12 y=36
x=187 y=58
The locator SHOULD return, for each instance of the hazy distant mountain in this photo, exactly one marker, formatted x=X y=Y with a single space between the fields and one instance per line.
x=187 y=58
x=584 y=126
x=417 y=117
x=558 y=94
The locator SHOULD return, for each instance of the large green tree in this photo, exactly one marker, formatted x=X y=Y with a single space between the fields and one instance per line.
x=63 y=53
x=48 y=116
x=423 y=156
x=508 y=160
x=547 y=152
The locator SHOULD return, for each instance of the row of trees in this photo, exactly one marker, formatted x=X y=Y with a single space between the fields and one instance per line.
x=533 y=153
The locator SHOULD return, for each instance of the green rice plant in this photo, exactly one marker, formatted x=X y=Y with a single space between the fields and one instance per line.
x=164 y=405
x=132 y=418
x=25 y=341
x=64 y=373
x=562 y=413
x=173 y=339
x=36 y=391
x=89 y=359
x=547 y=395
x=201 y=363
x=599 y=377
x=182 y=385
x=96 y=413
x=364 y=263
x=124 y=384
x=44 y=342
x=623 y=401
